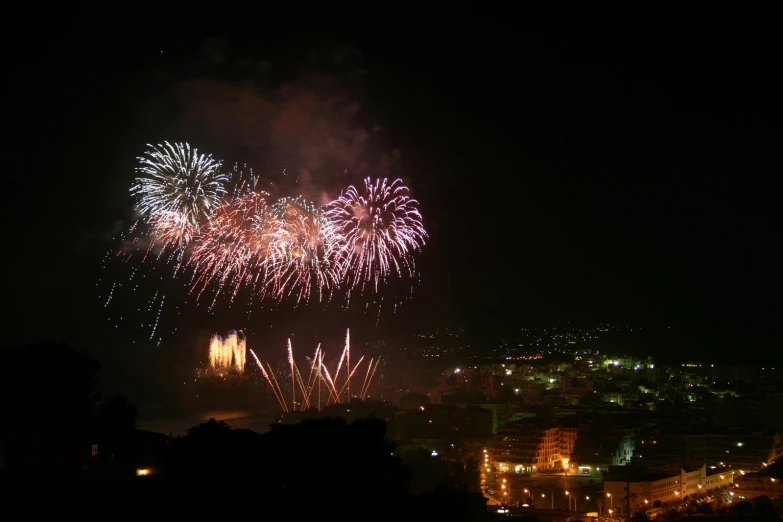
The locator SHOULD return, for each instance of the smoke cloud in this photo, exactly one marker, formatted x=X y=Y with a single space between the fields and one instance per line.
x=311 y=131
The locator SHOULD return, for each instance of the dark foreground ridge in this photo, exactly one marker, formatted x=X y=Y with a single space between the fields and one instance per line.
x=67 y=455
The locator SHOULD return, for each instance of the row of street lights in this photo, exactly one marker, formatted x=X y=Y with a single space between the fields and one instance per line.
x=552 y=497
x=504 y=490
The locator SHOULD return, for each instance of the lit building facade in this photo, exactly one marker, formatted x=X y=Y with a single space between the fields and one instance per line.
x=528 y=446
x=697 y=479
x=643 y=489
x=762 y=484
x=670 y=483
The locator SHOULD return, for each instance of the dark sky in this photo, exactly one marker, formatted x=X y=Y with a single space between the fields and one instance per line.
x=581 y=170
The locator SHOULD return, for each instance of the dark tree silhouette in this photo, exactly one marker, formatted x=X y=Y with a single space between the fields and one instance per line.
x=473 y=476
x=744 y=508
x=640 y=517
x=115 y=417
x=209 y=430
x=114 y=426
x=47 y=401
x=434 y=474
x=763 y=507
x=316 y=462
x=213 y=450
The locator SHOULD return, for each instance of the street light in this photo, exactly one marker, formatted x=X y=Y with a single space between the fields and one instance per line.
x=611 y=502
x=569 y=500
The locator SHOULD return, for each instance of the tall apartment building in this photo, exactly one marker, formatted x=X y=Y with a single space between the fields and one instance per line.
x=530 y=445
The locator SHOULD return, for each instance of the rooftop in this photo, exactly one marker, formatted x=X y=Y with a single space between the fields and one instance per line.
x=637 y=476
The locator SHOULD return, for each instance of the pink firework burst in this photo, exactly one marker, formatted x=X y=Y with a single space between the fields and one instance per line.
x=379 y=229
x=234 y=242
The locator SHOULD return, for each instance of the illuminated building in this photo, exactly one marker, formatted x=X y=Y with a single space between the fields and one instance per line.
x=530 y=445
x=765 y=483
x=696 y=479
x=641 y=486
x=671 y=483
x=777 y=448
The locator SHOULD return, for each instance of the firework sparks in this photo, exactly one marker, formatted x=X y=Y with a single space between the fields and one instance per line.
x=302 y=391
x=272 y=384
x=176 y=189
x=379 y=230
x=235 y=240
x=303 y=251
x=228 y=353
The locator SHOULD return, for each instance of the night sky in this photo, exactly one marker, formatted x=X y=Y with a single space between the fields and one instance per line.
x=571 y=171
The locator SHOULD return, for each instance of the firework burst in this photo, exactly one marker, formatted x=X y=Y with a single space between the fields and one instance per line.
x=233 y=236
x=235 y=240
x=303 y=251
x=176 y=189
x=379 y=230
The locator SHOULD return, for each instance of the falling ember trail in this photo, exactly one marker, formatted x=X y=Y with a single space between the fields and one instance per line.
x=278 y=395
x=293 y=380
x=348 y=361
x=366 y=376
x=367 y=389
